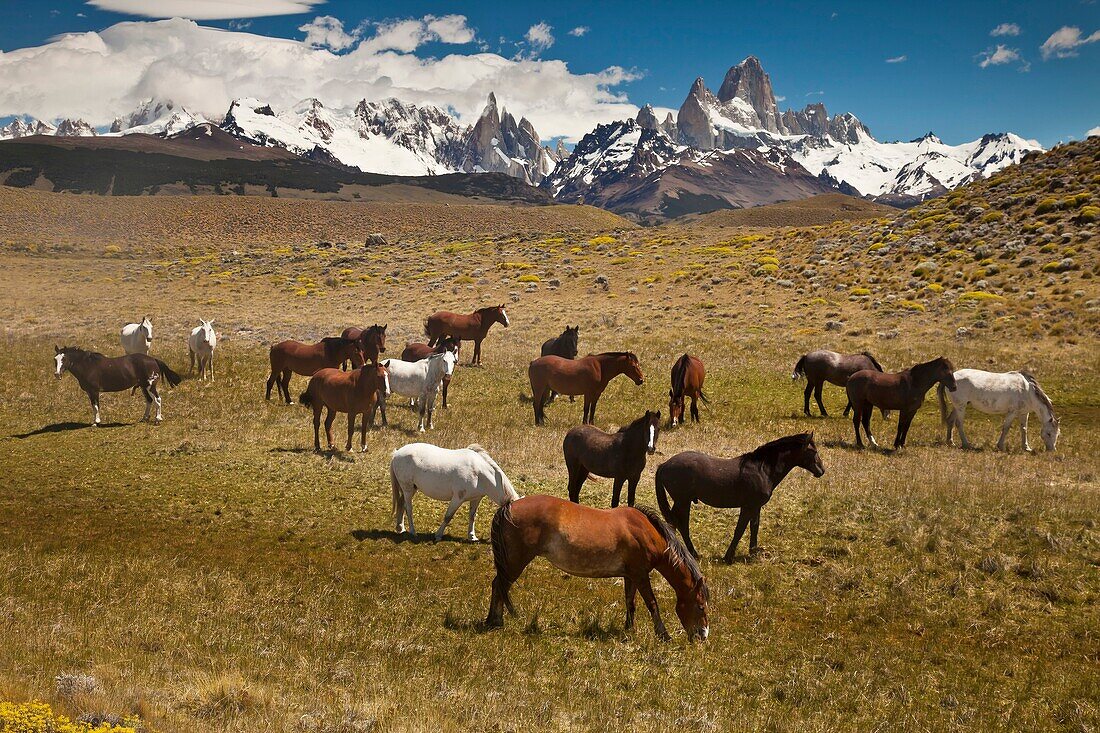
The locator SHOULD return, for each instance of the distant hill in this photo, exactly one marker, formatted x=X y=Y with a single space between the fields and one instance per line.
x=816 y=210
x=206 y=160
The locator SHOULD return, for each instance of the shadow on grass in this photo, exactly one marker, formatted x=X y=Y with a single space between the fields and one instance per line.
x=61 y=427
x=421 y=538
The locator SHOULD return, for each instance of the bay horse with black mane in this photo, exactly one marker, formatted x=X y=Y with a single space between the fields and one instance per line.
x=620 y=456
x=586 y=376
x=823 y=366
x=564 y=346
x=416 y=351
x=471 y=327
x=96 y=373
x=903 y=391
x=626 y=542
x=354 y=392
x=747 y=481
x=294 y=357
x=372 y=342
x=688 y=374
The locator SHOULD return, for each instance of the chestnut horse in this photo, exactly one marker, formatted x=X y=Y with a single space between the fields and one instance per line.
x=415 y=351
x=903 y=391
x=627 y=543
x=294 y=357
x=353 y=392
x=586 y=376
x=747 y=481
x=372 y=342
x=472 y=327
x=688 y=374
x=821 y=366
x=620 y=456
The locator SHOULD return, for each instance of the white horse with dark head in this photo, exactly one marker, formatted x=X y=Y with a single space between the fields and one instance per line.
x=1013 y=394
x=419 y=380
x=137 y=338
x=455 y=476
x=201 y=345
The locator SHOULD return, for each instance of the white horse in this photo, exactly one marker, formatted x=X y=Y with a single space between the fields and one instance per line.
x=456 y=476
x=137 y=337
x=201 y=345
x=1013 y=394
x=419 y=380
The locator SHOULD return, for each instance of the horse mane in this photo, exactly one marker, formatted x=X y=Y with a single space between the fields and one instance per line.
x=679 y=374
x=78 y=354
x=773 y=446
x=639 y=421
x=677 y=552
x=1038 y=391
x=506 y=483
x=629 y=354
x=873 y=361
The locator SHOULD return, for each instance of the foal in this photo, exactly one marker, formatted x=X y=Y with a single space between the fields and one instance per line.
x=620 y=456
x=903 y=391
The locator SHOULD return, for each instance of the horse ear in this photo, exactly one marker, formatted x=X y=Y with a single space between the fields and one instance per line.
x=56 y=349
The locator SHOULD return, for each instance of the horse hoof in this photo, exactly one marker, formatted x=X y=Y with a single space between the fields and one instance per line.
x=473 y=538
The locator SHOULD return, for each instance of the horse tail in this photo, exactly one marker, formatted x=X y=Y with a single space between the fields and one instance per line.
x=510 y=493
x=704 y=398
x=679 y=374
x=398 y=494
x=799 y=369
x=306 y=399
x=172 y=378
x=662 y=495
x=941 y=395
x=500 y=553
x=873 y=361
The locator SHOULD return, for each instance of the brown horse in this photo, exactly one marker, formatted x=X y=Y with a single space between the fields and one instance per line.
x=372 y=342
x=746 y=482
x=472 y=327
x=903 y=391
x=828 y=366
x=564 y=346
x=353 y=392
x=96 y=373
x=625 y=543
x=688 y=374
x=586 y=376
x=294 y=357
x=620 y=456
x=415 y=351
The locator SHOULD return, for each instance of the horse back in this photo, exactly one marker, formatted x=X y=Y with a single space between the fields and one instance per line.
x=715 y=481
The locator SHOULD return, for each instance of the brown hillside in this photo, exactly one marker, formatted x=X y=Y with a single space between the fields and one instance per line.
x=823 y=209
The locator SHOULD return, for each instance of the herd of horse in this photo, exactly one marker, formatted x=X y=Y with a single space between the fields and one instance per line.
x=347 y=374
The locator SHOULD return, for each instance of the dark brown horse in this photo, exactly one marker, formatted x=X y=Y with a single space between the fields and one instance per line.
x=564 y=346
x=96 y=373
x=294 y=357
x=821 y=366
x=625 y=543
x=620 y=456
x=471 y=327
x=353 y=392
x=688 y=374
x=586 y=376
x=415 y=351
x=903 y=391
x=746 y=482
x=372 y=342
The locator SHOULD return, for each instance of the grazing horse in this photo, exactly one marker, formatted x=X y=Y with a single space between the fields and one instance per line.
x=747 y=481
x=564 y=346
x=353 y=392
x=419 y=380
x=137 y=338
x=455 y=476
x=688 y=374
x=97 y=373
x=586 y=376
x=626 y=542
x=294 y=357
x=903 y=391
x=821 y=366
x=415 y=351
x=372 y=342
x=472 y=327
x=620 y=456
x=1013 y=394
x=200 y=345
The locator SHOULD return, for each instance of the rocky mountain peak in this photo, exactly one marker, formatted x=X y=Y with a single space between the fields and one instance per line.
x=647 y=118
x=748 y=82
x=74 y=128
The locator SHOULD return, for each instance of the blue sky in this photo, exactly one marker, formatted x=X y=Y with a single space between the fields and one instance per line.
x=831 y=52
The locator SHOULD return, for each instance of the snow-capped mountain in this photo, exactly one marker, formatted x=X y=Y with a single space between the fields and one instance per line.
x=498 y=143
x=156 y=118
x=20 y=127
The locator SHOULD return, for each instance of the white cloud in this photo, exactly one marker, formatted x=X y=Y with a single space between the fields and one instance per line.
x=1094 y=132
x=781 y=98
x=1005 y=29
x=409 y=34
x=100 y=75
x=540 y=37
x=998 y=56
x=815 y=94
x=450 y=29
x=324 y=31
x=897 y=59
x=1063 y=43
x=206 y=9
x=579 y=31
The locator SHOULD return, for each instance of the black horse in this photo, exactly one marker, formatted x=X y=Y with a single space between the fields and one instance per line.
x=620 y=456
x=97 y=373
x=564 y=346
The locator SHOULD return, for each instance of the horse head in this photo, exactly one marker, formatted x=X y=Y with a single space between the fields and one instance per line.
x=147 y=326
x=571 y=338
x=675 y=408
x=381 y=378
x=808 y=457
x=945 y=373
x=691 y=608
x=501 y=316
x=653 y=422
x=59 y=360
x=1050 y=433
x=633 y=368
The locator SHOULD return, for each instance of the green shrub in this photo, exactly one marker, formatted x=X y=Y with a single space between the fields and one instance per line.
x=1046 y=206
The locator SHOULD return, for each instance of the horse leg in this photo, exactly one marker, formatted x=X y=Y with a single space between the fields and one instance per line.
x=694 y=408
x=631 y=591
x=1009 y=418
x=806 y=396
x=93 y=397
x=681 y=513
x=868 y=409
x=847 y=408
x=351 y=430
x=452 y=508
x=431 y=409
x=446 y=384
x=156 y=401
x=409 y=512
x=191 y=353
x=742 y=522
x=271 y=383
x=148 y=402
x=959 y=414
x=518 y=559
x=904 y=419
x=363 y=435
x=817 y=396
x=470 y=534
x=1023 y=431
x=210 y=364
x=317 y=427
x=646 y=589
x=330 y=418
x=284 y=385
x=592 y=411
x=855 y=424
x=476 y=357
x=616 y=492
x=631 y=489
x=577 y=477
x=754 y=530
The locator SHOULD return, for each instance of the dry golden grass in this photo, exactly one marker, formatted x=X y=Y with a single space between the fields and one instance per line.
x=214 y=574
